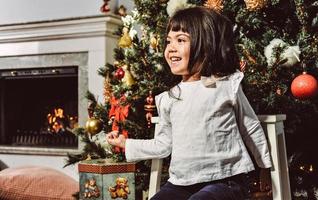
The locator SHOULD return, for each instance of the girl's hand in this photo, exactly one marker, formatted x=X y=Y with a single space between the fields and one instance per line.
x=115 y=139
x=265 y=180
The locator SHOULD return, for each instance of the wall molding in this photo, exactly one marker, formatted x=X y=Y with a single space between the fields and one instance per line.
x=104 y=25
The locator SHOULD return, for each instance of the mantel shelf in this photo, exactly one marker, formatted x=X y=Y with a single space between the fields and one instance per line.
x=37 y=151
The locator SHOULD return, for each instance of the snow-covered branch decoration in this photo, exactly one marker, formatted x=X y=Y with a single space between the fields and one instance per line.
x=175 y=5
x=290 y=53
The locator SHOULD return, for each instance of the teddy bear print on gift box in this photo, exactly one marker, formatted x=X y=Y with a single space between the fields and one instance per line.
x=120 y=190
x=109 y=180
x=91 y=189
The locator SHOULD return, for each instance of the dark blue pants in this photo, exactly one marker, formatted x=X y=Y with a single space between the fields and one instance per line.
x=226 y=189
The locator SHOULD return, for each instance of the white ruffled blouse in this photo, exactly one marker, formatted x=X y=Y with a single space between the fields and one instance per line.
x=206 y=132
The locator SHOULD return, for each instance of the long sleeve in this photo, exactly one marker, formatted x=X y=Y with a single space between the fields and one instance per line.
x=251 y=130
x=160 y=146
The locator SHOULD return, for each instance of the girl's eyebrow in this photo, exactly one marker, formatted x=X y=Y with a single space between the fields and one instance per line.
x=180 y=34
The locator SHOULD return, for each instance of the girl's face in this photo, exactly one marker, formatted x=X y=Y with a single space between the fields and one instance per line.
x=177 y=53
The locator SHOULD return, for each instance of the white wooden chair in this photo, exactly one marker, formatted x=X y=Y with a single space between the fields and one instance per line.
x=274 y=129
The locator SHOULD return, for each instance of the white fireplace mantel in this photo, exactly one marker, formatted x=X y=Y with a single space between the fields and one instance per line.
x=60 y=29
x=86 y=42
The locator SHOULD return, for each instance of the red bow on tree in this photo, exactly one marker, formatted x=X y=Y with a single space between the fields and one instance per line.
x=118 y=113
x=105 y=7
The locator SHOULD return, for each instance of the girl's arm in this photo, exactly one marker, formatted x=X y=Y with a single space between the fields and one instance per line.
x=159 y=147
x=251 y=130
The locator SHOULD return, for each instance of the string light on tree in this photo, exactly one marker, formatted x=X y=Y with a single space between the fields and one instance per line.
x=309 y=168
x=279 y=91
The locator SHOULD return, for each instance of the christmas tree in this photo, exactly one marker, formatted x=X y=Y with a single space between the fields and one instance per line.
x=277 y=41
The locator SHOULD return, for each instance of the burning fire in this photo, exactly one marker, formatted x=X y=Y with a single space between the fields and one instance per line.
x=58 y=122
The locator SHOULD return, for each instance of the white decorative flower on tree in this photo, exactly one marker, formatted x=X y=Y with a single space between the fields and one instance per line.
x=175 y=5
x=290 y=53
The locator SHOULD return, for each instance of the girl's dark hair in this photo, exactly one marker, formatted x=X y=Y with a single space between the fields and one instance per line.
x=212 y=49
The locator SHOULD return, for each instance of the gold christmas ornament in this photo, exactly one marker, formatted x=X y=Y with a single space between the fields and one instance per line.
x=116 y=63
x=128 y=78
x=216 y=5
x=88 y=157
x=254 y=5
x=94 y=126
x=107 y=89
x=125 y=41
x=154 y=42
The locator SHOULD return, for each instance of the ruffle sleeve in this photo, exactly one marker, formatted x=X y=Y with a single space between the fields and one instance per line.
x=236 y=80
x=249 y=126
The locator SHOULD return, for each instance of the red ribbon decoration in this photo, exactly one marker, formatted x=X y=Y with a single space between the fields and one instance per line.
x=105 y=7
x=119 y=113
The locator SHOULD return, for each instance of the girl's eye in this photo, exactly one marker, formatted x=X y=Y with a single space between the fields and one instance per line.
x=181 y=40
x=167 y=41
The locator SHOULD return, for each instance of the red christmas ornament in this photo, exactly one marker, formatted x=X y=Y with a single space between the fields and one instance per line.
x=304 y=86
x=149 y=108
x=105 y=7
x=120 y=73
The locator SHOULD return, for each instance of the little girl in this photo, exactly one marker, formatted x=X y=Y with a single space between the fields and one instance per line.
x=205 y=122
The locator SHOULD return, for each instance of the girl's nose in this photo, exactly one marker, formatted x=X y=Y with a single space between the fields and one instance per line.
x=172 y=49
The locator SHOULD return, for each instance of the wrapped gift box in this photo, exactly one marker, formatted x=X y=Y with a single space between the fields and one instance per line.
x=105 y=180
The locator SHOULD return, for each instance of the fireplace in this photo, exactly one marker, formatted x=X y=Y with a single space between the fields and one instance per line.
x=41 y=64
x=39 y=107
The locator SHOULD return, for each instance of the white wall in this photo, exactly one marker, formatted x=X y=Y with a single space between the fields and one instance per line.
x=21 y=11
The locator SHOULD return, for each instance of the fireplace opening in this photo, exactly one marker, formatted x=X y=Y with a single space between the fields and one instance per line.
x=39 y=107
